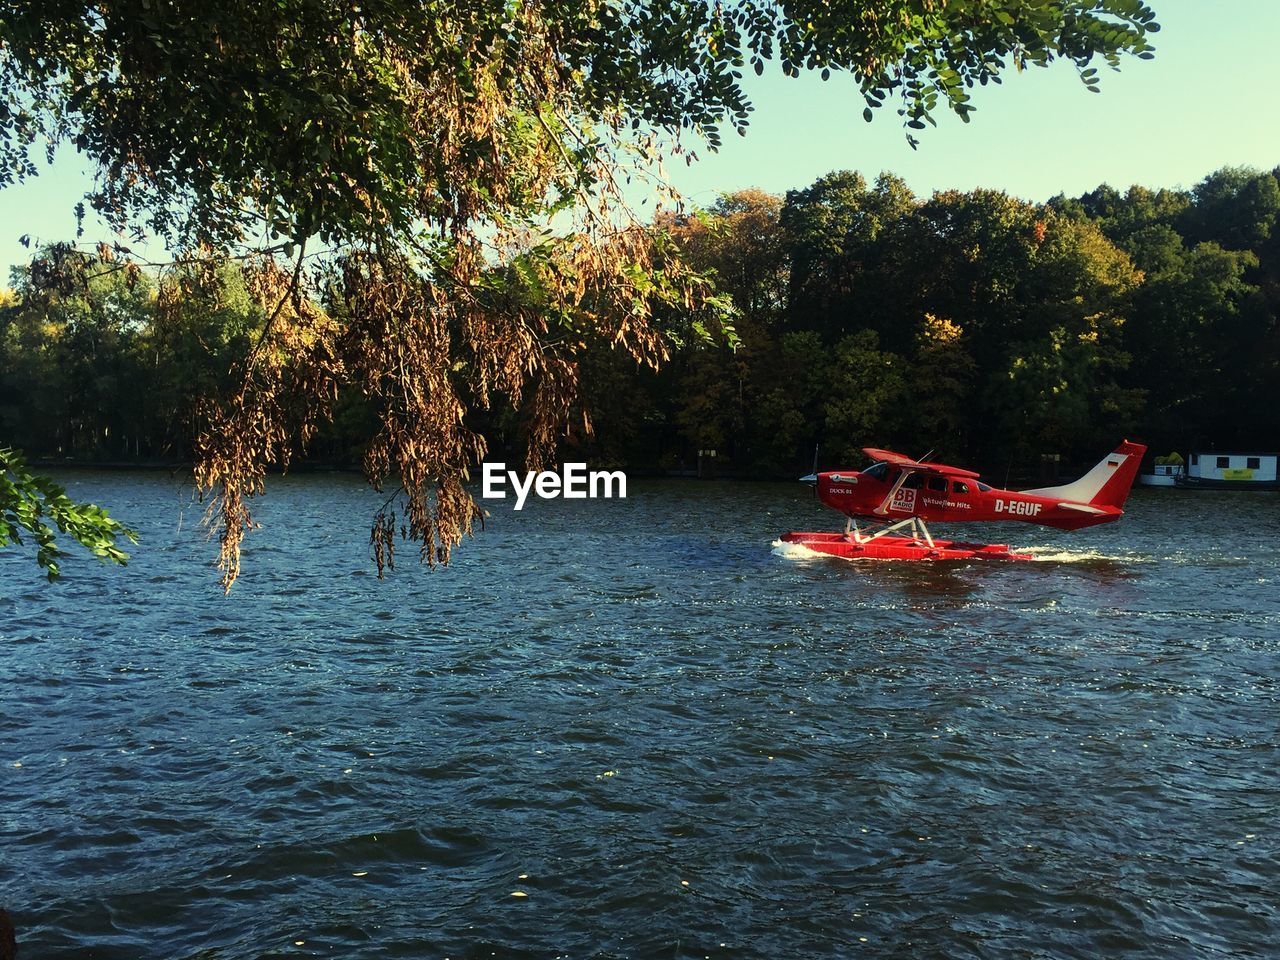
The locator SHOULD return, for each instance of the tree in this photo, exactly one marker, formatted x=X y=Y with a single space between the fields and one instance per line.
x=1121 y=218
x=421 y=149
x=941 y=385
x=864 y=393
x=1200 y=335
x=42 y=508
x=77 y=349
x=789 y=413
x=973 y=251
x=1235 y=207
x=1202 y=326
x=836 y=233
x=739 y=244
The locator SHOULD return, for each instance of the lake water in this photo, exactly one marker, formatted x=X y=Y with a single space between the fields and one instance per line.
x=675 y=742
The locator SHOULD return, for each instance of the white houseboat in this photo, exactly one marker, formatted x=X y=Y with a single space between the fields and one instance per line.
x=1210 y=469
x=1162 y=474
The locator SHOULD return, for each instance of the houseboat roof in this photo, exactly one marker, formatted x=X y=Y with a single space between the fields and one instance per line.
x=1234 y=453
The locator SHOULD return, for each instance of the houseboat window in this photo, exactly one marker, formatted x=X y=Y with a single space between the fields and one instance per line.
x=1224 y=462
x=1254 y=463
x=876 y=472
x=958 y=487
x=1195 y=459
x=938 y=483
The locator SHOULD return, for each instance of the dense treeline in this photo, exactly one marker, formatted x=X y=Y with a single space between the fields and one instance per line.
x=984 y=327
x=975 y=324
x=119 y=370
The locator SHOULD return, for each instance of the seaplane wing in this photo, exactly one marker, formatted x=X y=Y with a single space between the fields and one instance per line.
x=898 y=460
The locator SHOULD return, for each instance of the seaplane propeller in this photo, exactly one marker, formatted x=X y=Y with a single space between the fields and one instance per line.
x=811 y=478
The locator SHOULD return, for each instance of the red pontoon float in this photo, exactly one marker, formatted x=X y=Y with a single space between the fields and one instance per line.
x=857 y=546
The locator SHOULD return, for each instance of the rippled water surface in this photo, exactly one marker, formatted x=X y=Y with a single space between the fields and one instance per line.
x=674 y=742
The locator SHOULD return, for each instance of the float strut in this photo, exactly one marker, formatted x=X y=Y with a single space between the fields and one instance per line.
x=918 y=530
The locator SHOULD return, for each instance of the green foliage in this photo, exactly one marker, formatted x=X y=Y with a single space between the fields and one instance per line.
x=864 y=393
x=842 y=237
x=42 y=509
x=990 y=328
x=940 y=386
x=1235 y=207
x=114 y=369
x=297 y=117
x=788 y=416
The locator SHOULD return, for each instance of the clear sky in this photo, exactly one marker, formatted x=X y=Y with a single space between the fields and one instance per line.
x=1207 y=100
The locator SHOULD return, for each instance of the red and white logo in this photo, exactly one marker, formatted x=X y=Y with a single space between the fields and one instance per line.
x=904 y=500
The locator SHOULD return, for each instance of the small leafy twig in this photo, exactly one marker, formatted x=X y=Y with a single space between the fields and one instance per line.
x=42 y=508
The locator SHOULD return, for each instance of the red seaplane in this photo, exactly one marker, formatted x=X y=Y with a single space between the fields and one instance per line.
x=898 y=492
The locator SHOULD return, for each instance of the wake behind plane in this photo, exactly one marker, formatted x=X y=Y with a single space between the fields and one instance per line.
x=897 y=493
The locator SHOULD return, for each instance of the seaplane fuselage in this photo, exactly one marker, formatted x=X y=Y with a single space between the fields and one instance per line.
x=896 y=488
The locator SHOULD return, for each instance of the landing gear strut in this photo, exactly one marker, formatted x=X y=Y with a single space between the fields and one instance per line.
x=919 y=531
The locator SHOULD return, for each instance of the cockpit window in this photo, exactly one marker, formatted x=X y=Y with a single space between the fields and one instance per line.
x=876 y=471
x=914 y=482
x=938 y=484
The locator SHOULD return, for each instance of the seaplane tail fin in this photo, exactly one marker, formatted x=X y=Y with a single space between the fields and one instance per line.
x=1107 y=484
